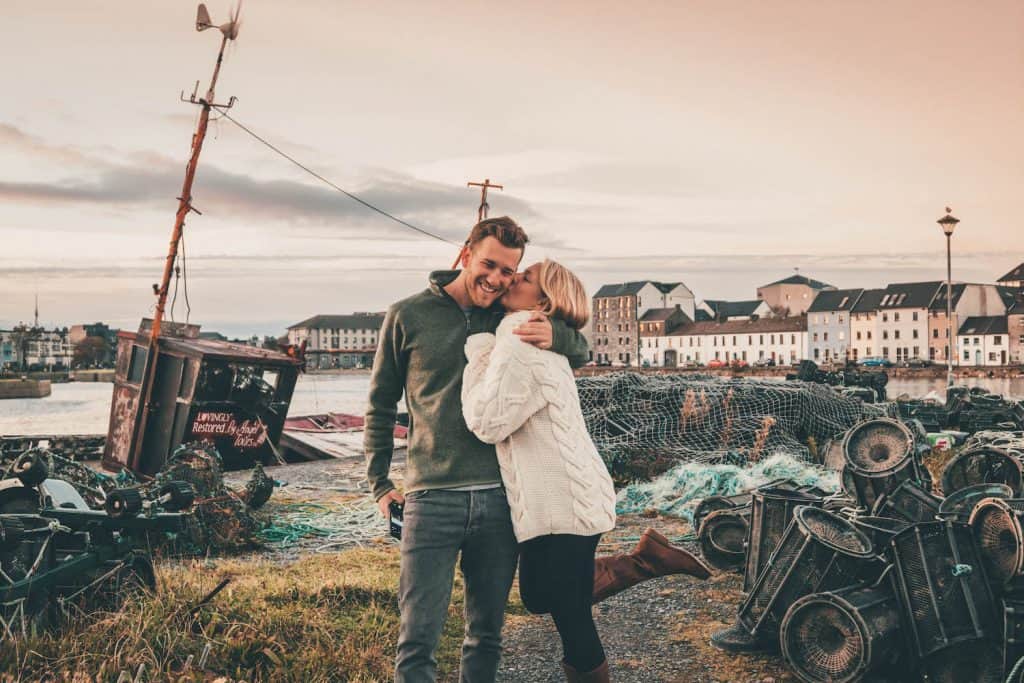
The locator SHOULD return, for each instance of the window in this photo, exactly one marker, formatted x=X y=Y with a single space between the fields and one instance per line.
x=914 y=334
x=761 y=339
x=885 y=317
x=977 y=341
x=935 y=333
x=997 y=340
x=869 y=334
x=913 y=316
x=816 y=353
x=814 y=337
x=867 y=350
x=967 y=355
x=792 y=339
x=896 y=317
x=825 y=336
x=917 y=351
x=885 y=334
x=858 y=335
x=734 y=340
x=841 y=317
x=773 y=339
x=896 y=335
x=991 y=356
x=750 y=339
x=885 y=352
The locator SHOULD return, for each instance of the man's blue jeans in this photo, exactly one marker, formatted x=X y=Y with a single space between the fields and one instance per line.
x=440 y=524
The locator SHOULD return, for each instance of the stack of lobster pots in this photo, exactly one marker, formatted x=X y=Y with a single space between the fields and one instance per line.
x=886 y=580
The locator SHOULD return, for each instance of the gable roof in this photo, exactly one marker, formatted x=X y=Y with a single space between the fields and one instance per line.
x=358 y=321
x=984 y=324
x=657 y=314
x=909 y=295
x=939 y=302
x=868 y=300
x=835 y=300
x=1014 y=275
x=631 y=288
x=801 y=280
x=730 y=309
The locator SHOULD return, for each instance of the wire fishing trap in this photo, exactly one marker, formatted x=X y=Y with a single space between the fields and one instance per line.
x=644 y=424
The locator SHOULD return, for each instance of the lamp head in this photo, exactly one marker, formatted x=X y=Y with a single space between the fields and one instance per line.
x=948 y=222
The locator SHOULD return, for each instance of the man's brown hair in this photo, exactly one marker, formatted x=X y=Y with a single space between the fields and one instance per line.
x=503 y=229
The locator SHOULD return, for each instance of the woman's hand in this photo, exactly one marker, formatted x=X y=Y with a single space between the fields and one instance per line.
x=536 y=331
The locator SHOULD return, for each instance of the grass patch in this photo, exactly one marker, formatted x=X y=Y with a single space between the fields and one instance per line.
x=321 y=618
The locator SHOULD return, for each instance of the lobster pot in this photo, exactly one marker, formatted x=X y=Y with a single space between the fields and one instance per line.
x=1013 y=632
x=957 y=506
x=819 y=552
x=999 y=533
x=771 y=510
x=908 y=502
x=880 y=454
x=723 y=536
x=941 y=585
x=983 y=465
x=842 y=636
x=716 y=503
x=981 y=662
x=879 y=530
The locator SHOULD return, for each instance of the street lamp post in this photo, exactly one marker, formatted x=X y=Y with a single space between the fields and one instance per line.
x=948 y=224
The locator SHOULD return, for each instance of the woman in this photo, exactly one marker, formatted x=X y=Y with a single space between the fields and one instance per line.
x=524 y=400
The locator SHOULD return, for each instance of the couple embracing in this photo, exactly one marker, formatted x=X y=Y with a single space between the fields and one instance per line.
x=500 y=466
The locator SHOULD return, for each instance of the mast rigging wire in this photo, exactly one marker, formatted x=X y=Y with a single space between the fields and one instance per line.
x=224 y=114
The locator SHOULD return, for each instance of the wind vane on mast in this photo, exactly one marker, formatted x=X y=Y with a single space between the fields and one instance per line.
x=229 y=31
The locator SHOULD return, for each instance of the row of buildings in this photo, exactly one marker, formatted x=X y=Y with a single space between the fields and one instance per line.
x=800 y=318
x=33 y=347
x=662 y=324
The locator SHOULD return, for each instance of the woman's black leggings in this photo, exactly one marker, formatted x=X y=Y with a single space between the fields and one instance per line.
x=556 y=576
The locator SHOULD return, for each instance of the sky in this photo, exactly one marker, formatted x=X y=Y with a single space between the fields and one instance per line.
x=722 y=144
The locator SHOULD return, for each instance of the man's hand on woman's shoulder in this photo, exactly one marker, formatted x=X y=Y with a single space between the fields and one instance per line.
x=537 y=331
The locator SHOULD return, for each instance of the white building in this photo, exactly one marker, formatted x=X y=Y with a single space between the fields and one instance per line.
x=338 y=341
x=903 y=320
x=48 y=349
x=864 y=325
x=783 y=340
x=984 y=341
x=829 y=325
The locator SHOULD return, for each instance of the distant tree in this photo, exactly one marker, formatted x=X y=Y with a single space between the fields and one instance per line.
x=91 y=351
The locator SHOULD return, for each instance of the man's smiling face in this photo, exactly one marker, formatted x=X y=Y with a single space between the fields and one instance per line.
x=489 y=269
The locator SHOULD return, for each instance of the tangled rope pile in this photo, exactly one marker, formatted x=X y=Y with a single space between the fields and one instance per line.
x=677 y=492
x=330 y=526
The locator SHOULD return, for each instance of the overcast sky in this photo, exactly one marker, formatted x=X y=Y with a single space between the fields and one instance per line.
x=718 y=143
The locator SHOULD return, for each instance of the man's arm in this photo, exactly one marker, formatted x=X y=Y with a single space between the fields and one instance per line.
x=555 y=335
x=386 y=386
x=502 y=385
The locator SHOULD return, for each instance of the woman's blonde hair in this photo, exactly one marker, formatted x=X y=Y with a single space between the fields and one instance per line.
x=564 y=295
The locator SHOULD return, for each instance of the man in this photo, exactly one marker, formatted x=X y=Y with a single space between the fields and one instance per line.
x=454 y=502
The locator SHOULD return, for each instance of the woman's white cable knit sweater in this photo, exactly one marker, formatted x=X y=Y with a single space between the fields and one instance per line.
x=524 y=400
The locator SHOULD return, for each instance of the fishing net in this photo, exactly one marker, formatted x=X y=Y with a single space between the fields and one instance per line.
x=644 y=424
x=221 y=518
x=677 y=492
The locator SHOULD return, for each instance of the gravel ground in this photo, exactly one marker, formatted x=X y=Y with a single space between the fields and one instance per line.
x=656 y=631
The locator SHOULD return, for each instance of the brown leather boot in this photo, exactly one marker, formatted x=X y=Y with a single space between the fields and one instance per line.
x=653 y=556
x=598 y=675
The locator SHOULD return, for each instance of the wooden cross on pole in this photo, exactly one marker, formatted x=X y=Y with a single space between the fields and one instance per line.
x=481 y=212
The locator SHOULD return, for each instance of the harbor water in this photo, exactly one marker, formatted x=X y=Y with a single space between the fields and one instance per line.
x=84 y=407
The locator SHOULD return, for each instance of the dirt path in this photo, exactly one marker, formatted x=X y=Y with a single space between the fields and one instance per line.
x=655 y=632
